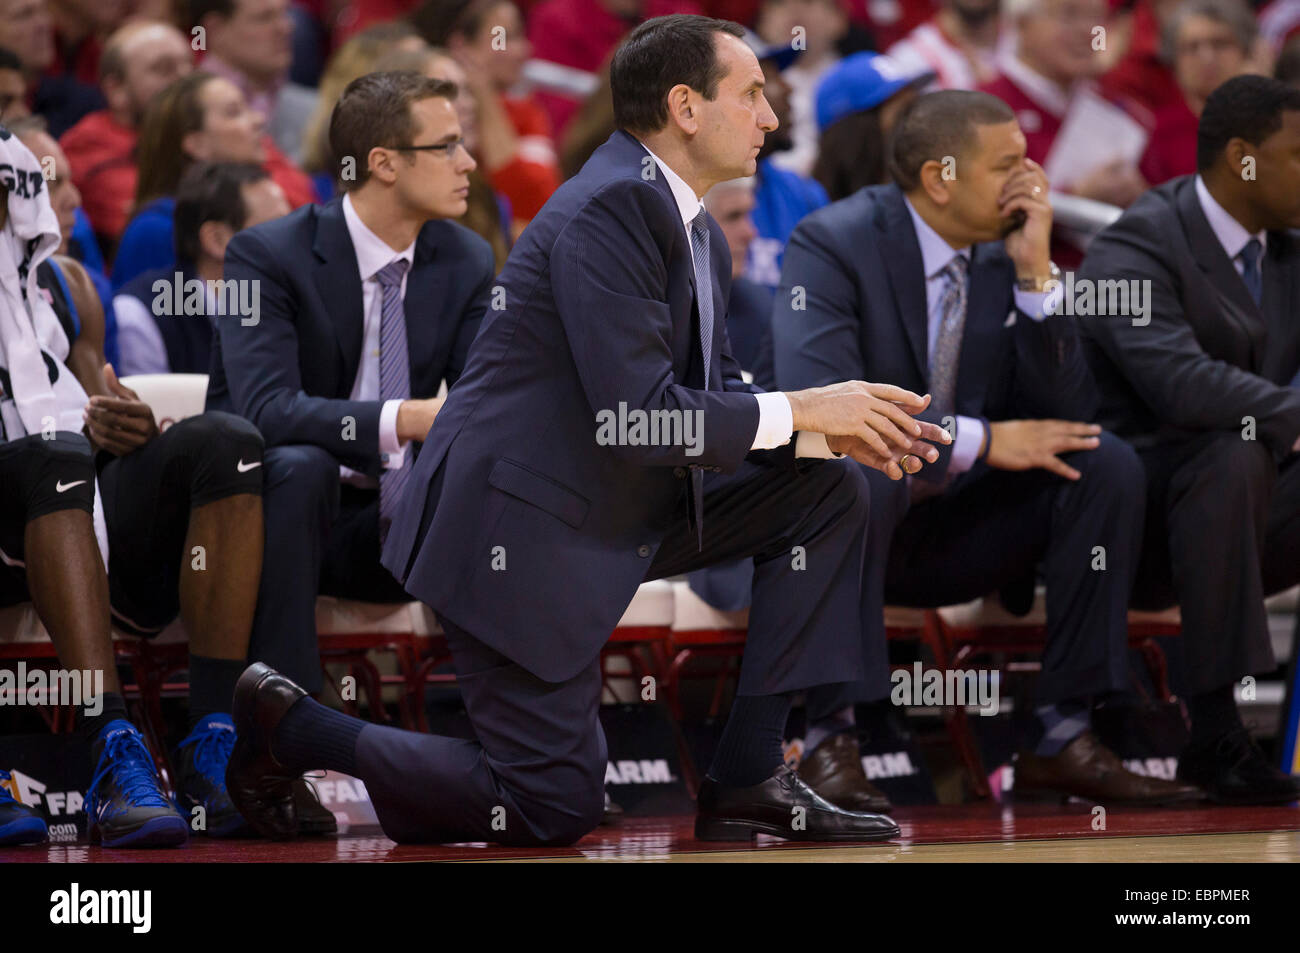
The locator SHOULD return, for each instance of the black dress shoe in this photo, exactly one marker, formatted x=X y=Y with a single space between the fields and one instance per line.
x=260 y=786
x=314 y=820
x=783 y=806
x=1232 y=770
x=834 y=770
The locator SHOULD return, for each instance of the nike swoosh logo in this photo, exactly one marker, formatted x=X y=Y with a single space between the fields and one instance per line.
x=62 y=487
x=243 y=467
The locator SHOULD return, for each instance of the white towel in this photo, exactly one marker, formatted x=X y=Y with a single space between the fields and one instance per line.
x=29 y=328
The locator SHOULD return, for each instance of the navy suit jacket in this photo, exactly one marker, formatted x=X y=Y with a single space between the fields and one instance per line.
x=856 y=267
x=518 y=525
x=1209 y=356
x=292 y=373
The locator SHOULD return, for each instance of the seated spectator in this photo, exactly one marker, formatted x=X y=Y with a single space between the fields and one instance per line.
x=1142 y=72
x=1209 y=42
x=249 y=43
x=213 y=202
x=516 y=151
x=577 y=37
x=198 y=118
x=959 y=44
x=823 y=23
x=1199 y=382
x=858 y=102
x=13 y=87
x=140 y=60
x=488 y=214
x=76 y=239
x=1051 y=73
x=353 y=59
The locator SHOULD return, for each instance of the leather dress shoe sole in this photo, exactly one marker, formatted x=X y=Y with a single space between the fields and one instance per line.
x=737 y=829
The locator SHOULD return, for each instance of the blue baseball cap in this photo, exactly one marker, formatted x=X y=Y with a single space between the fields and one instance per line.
x=782 y=54
x=862 y=81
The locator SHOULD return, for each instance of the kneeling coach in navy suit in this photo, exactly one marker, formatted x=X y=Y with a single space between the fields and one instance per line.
x=549 y=489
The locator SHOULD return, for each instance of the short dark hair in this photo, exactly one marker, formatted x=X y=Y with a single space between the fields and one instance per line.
x=658 y=55
x=211 y=192
x=375 y=110
x=940 y=124
x=9 y=60
x=1244 y=107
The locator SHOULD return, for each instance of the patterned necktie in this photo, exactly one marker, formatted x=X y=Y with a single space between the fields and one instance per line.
x=946 y=355
x=394 y=378
x=1249 y=256
x=703 y=287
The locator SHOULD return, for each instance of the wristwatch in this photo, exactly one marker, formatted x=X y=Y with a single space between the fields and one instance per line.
x=1039 y=283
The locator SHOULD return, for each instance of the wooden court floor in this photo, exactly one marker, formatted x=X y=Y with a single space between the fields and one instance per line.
x=978 y=832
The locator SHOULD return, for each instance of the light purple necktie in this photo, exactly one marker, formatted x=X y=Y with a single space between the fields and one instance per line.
x=394 y=378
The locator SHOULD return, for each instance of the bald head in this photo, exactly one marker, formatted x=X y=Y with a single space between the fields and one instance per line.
x=139 y=61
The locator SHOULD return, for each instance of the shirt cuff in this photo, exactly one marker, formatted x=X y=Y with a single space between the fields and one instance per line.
x=392 y=452
x=809 y=443
x=775 y=421
x=966 y=445
x=1040 y=304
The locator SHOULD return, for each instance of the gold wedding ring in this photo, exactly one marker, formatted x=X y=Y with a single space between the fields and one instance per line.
x=902 y=463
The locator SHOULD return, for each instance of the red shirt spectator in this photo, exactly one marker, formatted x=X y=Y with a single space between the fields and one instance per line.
x=1172 y=150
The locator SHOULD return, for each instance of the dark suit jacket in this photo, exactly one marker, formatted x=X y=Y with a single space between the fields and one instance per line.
x=858 y=263
x=1210 y=356
x=291 y=374
x=598 y=310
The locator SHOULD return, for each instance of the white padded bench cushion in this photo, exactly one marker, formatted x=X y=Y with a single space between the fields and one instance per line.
x=651 y=606
x=348 y=616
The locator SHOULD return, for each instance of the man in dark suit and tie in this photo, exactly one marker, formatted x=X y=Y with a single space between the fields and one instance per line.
x=940 y=281
x=1200 y=385
x=601 y=435
x=364 y=307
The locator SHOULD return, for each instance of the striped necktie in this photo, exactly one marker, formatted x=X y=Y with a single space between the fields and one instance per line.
x=703 y=287
x=1249 y=256
x=394 y=378
x=946 y=356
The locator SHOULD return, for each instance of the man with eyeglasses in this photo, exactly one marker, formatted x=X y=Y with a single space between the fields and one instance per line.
x=364 y=306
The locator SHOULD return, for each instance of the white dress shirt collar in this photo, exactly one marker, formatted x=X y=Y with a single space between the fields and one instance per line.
x=688 y=203
x=1232 y=235
x=935 y=250
x=373 y=253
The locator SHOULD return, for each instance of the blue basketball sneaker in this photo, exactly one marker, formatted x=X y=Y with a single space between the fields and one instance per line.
x=124 y=805
x=201 y=777
x=19 y=824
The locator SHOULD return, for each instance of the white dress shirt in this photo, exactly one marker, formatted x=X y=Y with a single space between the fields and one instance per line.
x=1232 y=235
x=373 y=254
x=775 y=418
x=936 y=253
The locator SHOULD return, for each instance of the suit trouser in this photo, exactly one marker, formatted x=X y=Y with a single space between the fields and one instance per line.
x=1222 y=532
x=322 y=536
x=535 y=774
x=992 y=529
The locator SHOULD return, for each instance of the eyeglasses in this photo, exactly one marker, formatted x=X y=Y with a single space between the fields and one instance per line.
x=445 y=149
